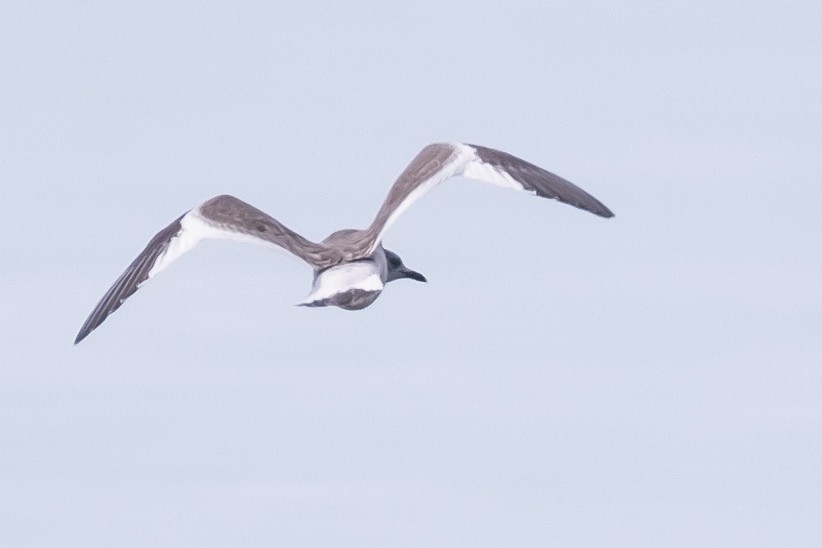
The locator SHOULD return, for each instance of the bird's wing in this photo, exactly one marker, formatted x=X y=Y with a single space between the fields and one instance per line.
x=441 y=161
x=223 y=217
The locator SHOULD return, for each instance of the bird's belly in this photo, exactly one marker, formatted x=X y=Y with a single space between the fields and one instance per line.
x=351 y=286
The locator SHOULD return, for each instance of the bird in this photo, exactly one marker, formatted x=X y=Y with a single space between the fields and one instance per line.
x=351 y=267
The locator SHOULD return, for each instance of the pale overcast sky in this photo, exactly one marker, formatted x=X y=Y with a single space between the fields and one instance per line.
x=562 y=380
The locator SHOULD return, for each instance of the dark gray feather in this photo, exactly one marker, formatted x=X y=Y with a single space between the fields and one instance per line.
x=129 y=281
x=541 y=182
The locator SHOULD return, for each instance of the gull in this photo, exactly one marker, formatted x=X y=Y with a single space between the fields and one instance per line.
x=351 y=267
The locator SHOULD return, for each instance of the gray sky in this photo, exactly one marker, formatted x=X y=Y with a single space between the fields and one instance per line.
x=649 y=380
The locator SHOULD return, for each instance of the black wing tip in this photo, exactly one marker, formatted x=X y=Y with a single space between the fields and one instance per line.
x=583 y=201
x=591 y=205
x=85 y=331
x=605 y=213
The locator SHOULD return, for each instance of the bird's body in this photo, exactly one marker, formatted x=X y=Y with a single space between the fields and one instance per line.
x=350 y=266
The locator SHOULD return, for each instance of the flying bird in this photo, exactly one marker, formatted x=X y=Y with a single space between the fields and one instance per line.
x=351 y=267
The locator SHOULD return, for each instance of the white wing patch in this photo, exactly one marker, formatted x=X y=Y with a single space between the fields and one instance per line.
x=465 y=163
x=364 y=275
x=193 y=229
x=477 y=170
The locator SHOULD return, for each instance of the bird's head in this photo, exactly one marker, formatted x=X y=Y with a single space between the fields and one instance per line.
x=397 y=270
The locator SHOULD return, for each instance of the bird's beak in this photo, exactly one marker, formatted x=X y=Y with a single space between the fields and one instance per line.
x=408 y=273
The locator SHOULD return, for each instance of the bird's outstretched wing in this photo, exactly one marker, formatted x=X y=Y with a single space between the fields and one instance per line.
x=223 y=217
x=441 y=161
